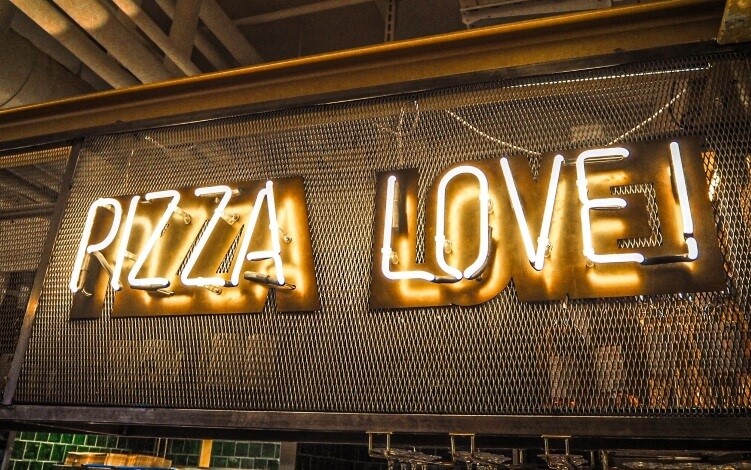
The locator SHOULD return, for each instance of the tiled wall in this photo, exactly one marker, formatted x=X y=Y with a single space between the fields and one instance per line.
x=255 y=455
x=227 y=454
x=184 y=452
x=42 y=450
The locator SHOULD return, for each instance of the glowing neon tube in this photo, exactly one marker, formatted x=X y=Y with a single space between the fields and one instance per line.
x=386 y=246
x=84 y=247
x=275 y=252
x=440 y=237
x=599 y=156
x=536 y=257
x=226 y=193
x=276 y=249
x=123 y=246
x=680 y=186
x=154 y=282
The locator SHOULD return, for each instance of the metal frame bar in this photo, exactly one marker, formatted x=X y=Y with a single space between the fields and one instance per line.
x=287 y=456
x=8 y=450
x=315 y=426
x=31 y=307
x=387 y=68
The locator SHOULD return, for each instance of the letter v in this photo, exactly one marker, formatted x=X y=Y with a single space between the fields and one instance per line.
x=536 y=257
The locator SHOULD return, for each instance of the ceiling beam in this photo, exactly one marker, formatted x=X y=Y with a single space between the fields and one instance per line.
x=201 y=42
x=227 y=33
x=153 y=32
x=184 y=27
x=113 y=36
x=64 y=30
x=324 y=5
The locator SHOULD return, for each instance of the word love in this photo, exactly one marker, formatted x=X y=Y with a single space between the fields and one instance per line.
x=214 y=249
x=608 y=222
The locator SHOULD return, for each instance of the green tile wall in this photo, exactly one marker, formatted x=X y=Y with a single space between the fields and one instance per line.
x=184 y=452
x=227 y=454
x=42 y=450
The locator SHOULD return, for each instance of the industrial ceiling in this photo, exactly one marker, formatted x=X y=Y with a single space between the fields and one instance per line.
x=57 y=48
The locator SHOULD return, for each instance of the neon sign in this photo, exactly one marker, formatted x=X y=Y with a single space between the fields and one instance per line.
x=596 y=236
x=213 y=249
x=609 y=222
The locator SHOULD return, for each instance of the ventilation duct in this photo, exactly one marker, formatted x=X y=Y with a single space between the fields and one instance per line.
x=30 y=76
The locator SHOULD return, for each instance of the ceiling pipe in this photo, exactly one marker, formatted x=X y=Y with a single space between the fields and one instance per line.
x=61 y=28
x=153 y=32
x=113 y=36
x=28 y=29
x=24 y=26
x=32 y=76
x=200 y=40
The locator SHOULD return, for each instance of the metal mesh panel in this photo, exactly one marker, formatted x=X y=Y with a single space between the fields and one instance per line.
x=27 y=180
x=662 y=355
x=32 y=177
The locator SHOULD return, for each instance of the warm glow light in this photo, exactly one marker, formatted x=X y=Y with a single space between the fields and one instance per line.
x=714 y=184
x=693 y=248
x=122 y=249
x=226 y=193
x=386 y=251
x=599 y=156
x=680 y=186
x=275 y=252
x=150 y=283
x=536 y=257
x=84 y=247
x=440 y=238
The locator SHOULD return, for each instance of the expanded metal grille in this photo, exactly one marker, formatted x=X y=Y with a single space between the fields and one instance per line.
x=28 y=181
x=662 y=355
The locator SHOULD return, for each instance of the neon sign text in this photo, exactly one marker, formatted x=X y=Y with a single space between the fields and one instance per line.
x=213 y=249
x=588 y=210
